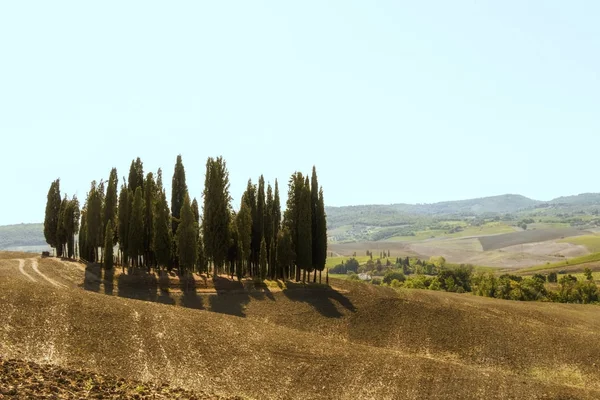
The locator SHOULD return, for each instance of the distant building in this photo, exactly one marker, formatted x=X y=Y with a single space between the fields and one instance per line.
x=364 y=277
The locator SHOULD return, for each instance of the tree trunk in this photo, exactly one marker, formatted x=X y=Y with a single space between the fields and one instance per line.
x=315 y=277
x=319 y=277
x=304 y=276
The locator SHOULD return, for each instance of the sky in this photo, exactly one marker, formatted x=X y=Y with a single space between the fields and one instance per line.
x=393 y=101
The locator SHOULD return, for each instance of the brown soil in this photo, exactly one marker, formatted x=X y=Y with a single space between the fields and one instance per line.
x=355 y=341
x=26 y=380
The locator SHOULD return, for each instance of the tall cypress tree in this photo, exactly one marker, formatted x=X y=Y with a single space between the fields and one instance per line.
x=196 y=211
x=82 y=240
x=61 y=230
x=260 y=209
x=52 y=214
x=321 y=232
x=217 y=212
x=108 y=246
x=187 y=238
x=268 y=221
x=162 y=235
x=149 y=199
x=276 y=212
x=178 y=191
x=71 y=223
x=250 y=199
x=110 y=203
x=124 y=220
x=314 y=204
x=136 y=175
x=136 y=228
x=94 y=221
x=263 y=259
x=244 y=228
x=304 y=245
x=285 y=253
x=292 y=216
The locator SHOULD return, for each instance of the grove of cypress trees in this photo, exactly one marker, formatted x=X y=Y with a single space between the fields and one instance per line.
x=51 y=217
x=108 y=246
x=260 y=210
x=314 y=204
x=136 y=228
x=94 y=221
x=187 y=238
x=276 y=212
x=71 y=223
x=82 y=240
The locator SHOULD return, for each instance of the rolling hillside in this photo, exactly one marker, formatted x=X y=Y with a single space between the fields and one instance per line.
x=352 y=341
x=23 y=237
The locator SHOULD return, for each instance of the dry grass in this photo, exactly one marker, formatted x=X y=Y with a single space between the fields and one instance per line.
x=357 y=341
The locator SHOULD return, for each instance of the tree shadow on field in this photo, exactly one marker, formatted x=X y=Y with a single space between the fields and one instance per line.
x=109 y=283
x=231 y=297
x=138 y=284
x=93 y=277
x=189 y=296
x=320 y=298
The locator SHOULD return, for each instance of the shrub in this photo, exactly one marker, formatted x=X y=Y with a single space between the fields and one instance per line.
x=396 y=284
x=553 y=277
x=353 y=276
x=376 y=281
x=390 y=275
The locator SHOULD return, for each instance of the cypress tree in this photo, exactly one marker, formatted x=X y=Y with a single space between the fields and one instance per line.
x=136 y=228
x=136 y=175
x=162 y=236
x=202 y=263
x=260 y=210
x=94 y=221
x=110 y=202
x=71 y=223
x=82 y=241
x=178 y=191
x=186 y=238
x=285 y=253
x=250 y=199
x=108 y=246
x=321 y=232
x=244 y=228
x=149 y=200
x=124 y=219
x=292 y=216
x=268 y=221
x=217 y=212
x=196 y=211
x=61 y=230
x=304 y=245
x=263 y=259
x=276 y=212
x=233 y=251
x=314 y=204
x=51 y=217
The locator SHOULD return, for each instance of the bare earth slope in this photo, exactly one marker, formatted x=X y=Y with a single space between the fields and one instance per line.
x=354 y=342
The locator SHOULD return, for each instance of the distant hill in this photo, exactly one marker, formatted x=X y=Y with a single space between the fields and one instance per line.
x=580 y=199
x=23 y=237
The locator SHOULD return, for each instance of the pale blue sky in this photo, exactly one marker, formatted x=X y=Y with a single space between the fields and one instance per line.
x=415 y=101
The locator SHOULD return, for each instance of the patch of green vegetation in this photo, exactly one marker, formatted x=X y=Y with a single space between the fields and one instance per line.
x=333 y=261
x=591 y=242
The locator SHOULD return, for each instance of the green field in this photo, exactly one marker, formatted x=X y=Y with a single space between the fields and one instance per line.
x=490 y=228
x=591 y=242
x=333 y=261
x=594 y=257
